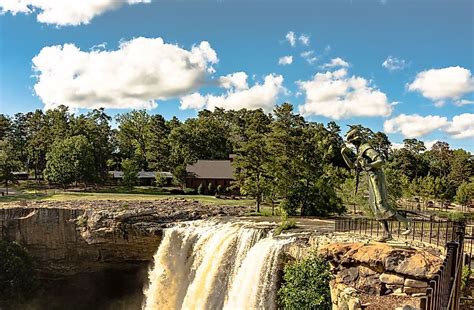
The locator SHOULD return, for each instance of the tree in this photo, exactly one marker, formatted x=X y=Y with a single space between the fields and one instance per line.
x=465 y=193
x=8 y=163
x=70 y=160
x=134 y=136
x=95 y=126
x=302 y=156
x=130 y=172
x=5 y=126
x=252 y=163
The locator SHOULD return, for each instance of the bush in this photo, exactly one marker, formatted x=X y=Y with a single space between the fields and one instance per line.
x=219 y=189
x=17 y=276
x=176 y=191
x=200 y=189
x=160 y=180
x=466 y=275
x=210 y=189
x=285 y=224
x=189 y=191
x=306 y=285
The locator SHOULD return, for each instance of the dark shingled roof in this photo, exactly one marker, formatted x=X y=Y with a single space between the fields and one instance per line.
x=211 y=169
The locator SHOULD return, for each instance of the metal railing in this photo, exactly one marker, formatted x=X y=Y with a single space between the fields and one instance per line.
x=444 y=289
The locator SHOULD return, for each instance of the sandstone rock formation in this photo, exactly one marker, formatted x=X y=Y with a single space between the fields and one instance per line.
x=76 y=236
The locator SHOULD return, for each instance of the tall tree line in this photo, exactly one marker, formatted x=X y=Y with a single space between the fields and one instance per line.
x=278 y=156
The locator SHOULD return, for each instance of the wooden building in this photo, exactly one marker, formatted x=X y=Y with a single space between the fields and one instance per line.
x=217 y=172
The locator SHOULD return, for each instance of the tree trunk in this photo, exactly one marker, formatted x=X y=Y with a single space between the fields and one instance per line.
x=258 y=203
x=6 y=186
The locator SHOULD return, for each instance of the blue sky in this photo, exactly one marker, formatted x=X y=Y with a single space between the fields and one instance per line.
x=250 y=37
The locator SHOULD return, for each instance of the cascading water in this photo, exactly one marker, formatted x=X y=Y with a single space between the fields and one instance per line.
x=209 y=265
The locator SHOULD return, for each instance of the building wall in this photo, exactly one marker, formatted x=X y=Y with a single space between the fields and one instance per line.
x=194 y=183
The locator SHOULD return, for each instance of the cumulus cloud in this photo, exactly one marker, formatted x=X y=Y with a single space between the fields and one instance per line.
x=336 y=95
x=414 y=125
x=135 y=75
x=441 y=84
x=336 y=62
x=64 y=12
x=464 y=102
x=304 y=39
x=291 y=38
x=237 y=80
x=461 y=127
x=258 y=96
x=309 y=57
x=393 y=63
x=285 y=60
x=429 y=143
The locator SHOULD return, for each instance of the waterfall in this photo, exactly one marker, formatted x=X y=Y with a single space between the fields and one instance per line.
x=211 y=265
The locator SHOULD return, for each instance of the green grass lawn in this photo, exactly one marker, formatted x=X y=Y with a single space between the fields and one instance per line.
x=136 y=194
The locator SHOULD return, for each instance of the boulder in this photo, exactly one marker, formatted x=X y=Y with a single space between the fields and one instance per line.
x=384 y=258
x=415 y=283
x=390 y=278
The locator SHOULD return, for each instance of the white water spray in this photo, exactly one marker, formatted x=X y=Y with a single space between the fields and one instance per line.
x=208 y=265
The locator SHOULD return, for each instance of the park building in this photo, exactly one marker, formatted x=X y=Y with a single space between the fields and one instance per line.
x=219 y=173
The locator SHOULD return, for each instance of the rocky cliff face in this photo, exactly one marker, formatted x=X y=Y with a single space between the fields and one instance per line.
x=71 y=237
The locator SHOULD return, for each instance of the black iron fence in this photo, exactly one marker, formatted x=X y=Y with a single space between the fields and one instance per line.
x=444 y=289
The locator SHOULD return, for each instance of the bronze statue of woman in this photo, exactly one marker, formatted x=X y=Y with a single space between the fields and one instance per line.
x=369 y=160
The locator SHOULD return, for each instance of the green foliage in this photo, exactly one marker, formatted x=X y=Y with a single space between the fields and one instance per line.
x=70 y=160
x=200 y=189
x=285 y=224
x=465 y=193
x=219 y=189
x=8 y=163
x=130 y=172
x=466 y=275
x=306 y=285
x=17 y=275
x=160 y=180
x=210 y=188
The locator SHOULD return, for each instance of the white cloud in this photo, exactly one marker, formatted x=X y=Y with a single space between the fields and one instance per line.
x=393 y=63
x=285 y=60
x=309 y=57
x=336 y=62
x=397 y=146
x=461 y=127
x=291 y=38
x=237 y=80
x=258 y=96
x=414 y=125
x=442 y=84
x=139 y=72
x=304 y=39
x=337 y=96
x=429 y=143
x=464 y=102
x=64 y=12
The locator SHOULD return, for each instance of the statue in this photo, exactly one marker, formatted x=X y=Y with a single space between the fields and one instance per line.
x=369 y=160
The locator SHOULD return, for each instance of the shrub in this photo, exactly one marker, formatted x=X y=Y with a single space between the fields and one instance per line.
x=466 y=275
x=219 y=189
x=200 y=189
x=189 y=191
x=17 y=276
x=210 y=189
x=306 y=285
x=285 y=224
x=160 y=180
